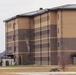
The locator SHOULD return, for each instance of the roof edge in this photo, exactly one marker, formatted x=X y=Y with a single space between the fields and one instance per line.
x=25 y=15
x=13 y=18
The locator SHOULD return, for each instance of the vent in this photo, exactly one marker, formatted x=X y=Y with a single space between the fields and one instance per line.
x=40 y=8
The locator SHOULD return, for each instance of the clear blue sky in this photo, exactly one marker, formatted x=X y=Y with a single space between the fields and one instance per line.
x=9 y=8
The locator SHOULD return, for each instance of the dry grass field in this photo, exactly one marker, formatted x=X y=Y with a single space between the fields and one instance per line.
x=11 y=70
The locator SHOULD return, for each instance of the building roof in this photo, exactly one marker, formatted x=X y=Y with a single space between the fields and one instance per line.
x=41 y=11
x=29 y=14
x=65 y=7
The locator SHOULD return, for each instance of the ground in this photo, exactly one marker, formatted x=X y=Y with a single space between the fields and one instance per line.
x=14 y=70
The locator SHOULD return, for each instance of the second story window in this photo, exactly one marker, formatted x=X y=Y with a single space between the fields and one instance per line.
x=13 y=25
x=58 y=30
x=58 y=16
x=14 y=48
x=58 y=44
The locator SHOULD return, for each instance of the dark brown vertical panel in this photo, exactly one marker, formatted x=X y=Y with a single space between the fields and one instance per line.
x=54 y=60
x=53 y=30
x=40 y=42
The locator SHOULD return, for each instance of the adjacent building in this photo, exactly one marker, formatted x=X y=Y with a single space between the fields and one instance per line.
x=42 y=37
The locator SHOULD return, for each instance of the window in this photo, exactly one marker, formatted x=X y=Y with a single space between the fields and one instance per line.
x=14 y=48
x=58 y=30
x=58 y=16
x=58 y=44
x=13 y=25
x=48 y=17
x=58 y=58
x=14 y=37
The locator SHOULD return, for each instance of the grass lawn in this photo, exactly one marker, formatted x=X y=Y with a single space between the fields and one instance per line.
x=33 y=68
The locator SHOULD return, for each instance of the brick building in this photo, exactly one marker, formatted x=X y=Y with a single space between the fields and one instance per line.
x=42 y=37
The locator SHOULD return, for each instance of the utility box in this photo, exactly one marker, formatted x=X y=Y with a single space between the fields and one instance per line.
x=8 y=62
x=74 y=60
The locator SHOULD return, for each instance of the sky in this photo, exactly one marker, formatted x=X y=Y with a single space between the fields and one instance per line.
x=10 y=8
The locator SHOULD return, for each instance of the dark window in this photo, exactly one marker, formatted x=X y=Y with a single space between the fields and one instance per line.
x=58 y=16
x=13 y=25
x=58 y=58
x=58 y=30
x=58 y=44
x=14 y=48
x=17 y=46
x=47 y=18
x=53 y=30
x=13 y=37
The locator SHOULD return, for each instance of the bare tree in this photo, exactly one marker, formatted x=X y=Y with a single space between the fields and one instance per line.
x=64 y=59
x=27 y=42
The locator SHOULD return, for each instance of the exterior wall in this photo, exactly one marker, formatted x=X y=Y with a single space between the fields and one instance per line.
x=69 y=28
x=45 y=32
x=59 y=36
x=25 y=37
x=53 y=38
x=37 y=39
x=66 y=35
x=42 y=40
x=23 y=23
x=17 y=39
x=10 y=37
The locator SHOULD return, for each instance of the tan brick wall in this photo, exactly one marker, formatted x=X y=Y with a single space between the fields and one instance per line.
x=37 y=24
x=23 y=23
x=69 y=24
x=9 y=25
x=59 y=24
x=53 y=18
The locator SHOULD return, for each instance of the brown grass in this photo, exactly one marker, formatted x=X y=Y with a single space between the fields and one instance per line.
x=10 y=70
